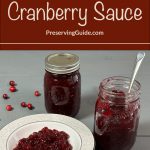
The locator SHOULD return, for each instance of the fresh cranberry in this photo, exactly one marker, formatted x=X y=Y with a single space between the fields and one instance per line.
x=12 y=89
x=30 y=106
x=5 y=96
x=37 y=93
x=9 y=108
x=12 y=83
x=23 y=104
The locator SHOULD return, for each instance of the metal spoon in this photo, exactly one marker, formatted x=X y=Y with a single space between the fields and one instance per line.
x=139 y=59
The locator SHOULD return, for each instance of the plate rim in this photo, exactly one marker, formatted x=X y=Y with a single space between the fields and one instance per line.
x=36 y=131
x=83 y=131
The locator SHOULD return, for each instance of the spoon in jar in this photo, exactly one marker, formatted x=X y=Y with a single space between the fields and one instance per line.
x=139 y=59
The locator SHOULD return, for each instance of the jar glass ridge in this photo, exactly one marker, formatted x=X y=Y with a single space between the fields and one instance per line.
x=62 y=84
x=116 y=114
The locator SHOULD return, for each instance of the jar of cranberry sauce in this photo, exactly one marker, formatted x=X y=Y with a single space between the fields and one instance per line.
x=116 y=114
x=62 y=84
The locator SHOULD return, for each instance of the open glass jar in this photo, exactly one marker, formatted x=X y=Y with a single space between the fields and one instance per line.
x=62 y=84
x=116 y=114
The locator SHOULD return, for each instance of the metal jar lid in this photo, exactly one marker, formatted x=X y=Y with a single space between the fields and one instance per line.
x=62 y=63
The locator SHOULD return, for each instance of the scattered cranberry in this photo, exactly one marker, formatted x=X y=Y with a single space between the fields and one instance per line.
x=30 y=106
x=9 y=108
x=37 y=93
x=12 y=83
x=12 y=89
x=23 y=104
x=5 y=96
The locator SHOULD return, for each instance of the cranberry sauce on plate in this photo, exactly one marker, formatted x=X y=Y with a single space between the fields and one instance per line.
x=45 y=139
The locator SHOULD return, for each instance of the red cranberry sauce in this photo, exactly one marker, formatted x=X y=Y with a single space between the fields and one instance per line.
x=62 y=93
x=116 y=123
x=46 y=139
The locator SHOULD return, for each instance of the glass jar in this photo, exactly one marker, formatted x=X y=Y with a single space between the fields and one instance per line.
x=62 y=84
x=116 y=114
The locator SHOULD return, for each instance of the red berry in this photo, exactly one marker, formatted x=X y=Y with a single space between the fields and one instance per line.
x=30 y=106
x=37 y=93
x=12 y=89
x=9 y=108
x=5 y=96
x=23 y=104
x=12 y=83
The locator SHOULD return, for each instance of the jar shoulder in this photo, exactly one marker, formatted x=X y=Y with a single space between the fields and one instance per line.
x=71 y=78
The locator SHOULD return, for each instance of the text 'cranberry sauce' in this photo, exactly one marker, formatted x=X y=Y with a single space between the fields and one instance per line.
x=116 y=114
x=62 y=84
x=45 y=139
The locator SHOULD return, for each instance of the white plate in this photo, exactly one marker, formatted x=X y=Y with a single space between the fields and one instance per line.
x=81 y=137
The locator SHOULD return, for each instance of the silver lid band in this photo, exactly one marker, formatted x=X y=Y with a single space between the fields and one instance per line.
x=62 y=63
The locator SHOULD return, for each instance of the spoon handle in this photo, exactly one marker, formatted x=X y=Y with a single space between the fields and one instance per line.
x=139 y=59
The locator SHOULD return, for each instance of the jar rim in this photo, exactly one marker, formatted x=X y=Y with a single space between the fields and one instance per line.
x=121 y=78
x=62 y=63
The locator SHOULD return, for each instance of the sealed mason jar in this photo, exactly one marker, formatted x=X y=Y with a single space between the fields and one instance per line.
x=62 y=84
x=116 y=114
